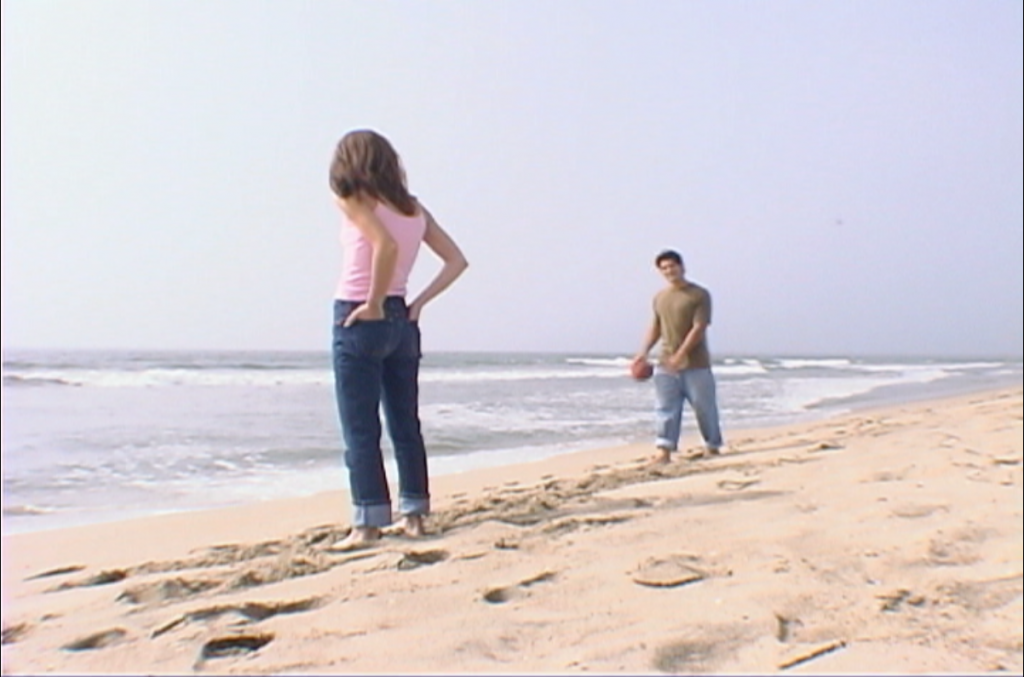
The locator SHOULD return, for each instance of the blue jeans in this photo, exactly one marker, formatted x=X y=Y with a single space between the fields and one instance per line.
x=672 y=389
x=377 y=362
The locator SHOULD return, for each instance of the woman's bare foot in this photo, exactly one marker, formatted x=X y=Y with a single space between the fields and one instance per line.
x=412 y=526
x=358 y=538
x=662 y=457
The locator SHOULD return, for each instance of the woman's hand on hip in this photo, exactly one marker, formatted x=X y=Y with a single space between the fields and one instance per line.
x=363 y=312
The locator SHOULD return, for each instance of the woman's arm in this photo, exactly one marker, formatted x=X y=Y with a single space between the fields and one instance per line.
x=451 y=256
x=359 y=210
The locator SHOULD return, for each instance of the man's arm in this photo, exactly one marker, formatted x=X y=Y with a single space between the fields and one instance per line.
x=650 y=338
x=681 y=356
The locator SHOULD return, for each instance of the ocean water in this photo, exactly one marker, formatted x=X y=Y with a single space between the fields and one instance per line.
x=99 y=436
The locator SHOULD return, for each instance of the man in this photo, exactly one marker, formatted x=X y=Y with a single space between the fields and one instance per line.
x=682 y=313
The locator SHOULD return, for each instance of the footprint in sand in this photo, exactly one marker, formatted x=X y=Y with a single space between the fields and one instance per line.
x=669 y=571
x=414 y=560
x=691 y=656
x=98 y=640
x=894 y=600
x=784 y=626
x=985 y=595
x=916 y=511
x=254 y=572
x=570 y=524
x=507 y=594
x=59 y=571
x=736 y=485
x=250 y=612
x=163 y=591
x=236 y=645
x=956 y=549
x=702 y=652
x=264 y=563
x=888 y=476
x=500 y=595
x=102 y=578
x=13 y=633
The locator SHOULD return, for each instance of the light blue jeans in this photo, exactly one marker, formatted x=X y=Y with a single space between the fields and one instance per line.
x=672 y=389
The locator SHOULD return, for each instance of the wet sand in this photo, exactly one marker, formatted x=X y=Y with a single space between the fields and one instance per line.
x=881 y=541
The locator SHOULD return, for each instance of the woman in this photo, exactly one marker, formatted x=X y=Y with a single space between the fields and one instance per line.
x=376 y=337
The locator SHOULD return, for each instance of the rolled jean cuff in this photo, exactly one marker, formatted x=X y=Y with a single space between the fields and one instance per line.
x=377 y=515
x=413 y=506
x=663 y=443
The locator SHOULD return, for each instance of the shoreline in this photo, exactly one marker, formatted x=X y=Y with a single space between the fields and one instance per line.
x=897 y=395
x=884 y=532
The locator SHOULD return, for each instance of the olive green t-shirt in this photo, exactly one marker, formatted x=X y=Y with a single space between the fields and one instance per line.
x=675 y=311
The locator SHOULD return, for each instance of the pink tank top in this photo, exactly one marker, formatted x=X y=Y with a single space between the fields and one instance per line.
x=357 y=253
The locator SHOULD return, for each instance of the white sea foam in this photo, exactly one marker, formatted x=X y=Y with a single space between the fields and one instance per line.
x=616 y=362
x=740 y=368
x=158 y=378
x=27 y=510
x=160 y=433
x=814 y=363
x=944 y=367
x=801 y=394
x=481 y=375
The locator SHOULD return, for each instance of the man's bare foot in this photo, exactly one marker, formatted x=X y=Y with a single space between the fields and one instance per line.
x=412 y=526
x=357 y=539
x=708 y=452
x=662 y=457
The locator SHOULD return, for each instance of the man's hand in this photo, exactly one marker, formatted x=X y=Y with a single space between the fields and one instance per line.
x=676 y=361
x=365 y=311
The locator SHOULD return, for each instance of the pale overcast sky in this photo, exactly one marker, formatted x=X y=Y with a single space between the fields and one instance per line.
x=845 y=177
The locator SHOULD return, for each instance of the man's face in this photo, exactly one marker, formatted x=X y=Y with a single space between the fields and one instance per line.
x=671 y=271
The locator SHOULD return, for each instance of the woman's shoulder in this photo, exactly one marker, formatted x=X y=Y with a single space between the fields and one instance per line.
x=384 y=207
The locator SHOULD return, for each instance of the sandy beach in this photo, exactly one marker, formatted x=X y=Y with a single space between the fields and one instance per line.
x=882 y=541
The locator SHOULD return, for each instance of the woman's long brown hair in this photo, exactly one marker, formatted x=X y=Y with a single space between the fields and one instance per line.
x=366 y=163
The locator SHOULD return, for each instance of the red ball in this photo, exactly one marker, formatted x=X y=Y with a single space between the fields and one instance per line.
x=641 y=371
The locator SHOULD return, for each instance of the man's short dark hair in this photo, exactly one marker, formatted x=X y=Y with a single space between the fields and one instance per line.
x=668 y=255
